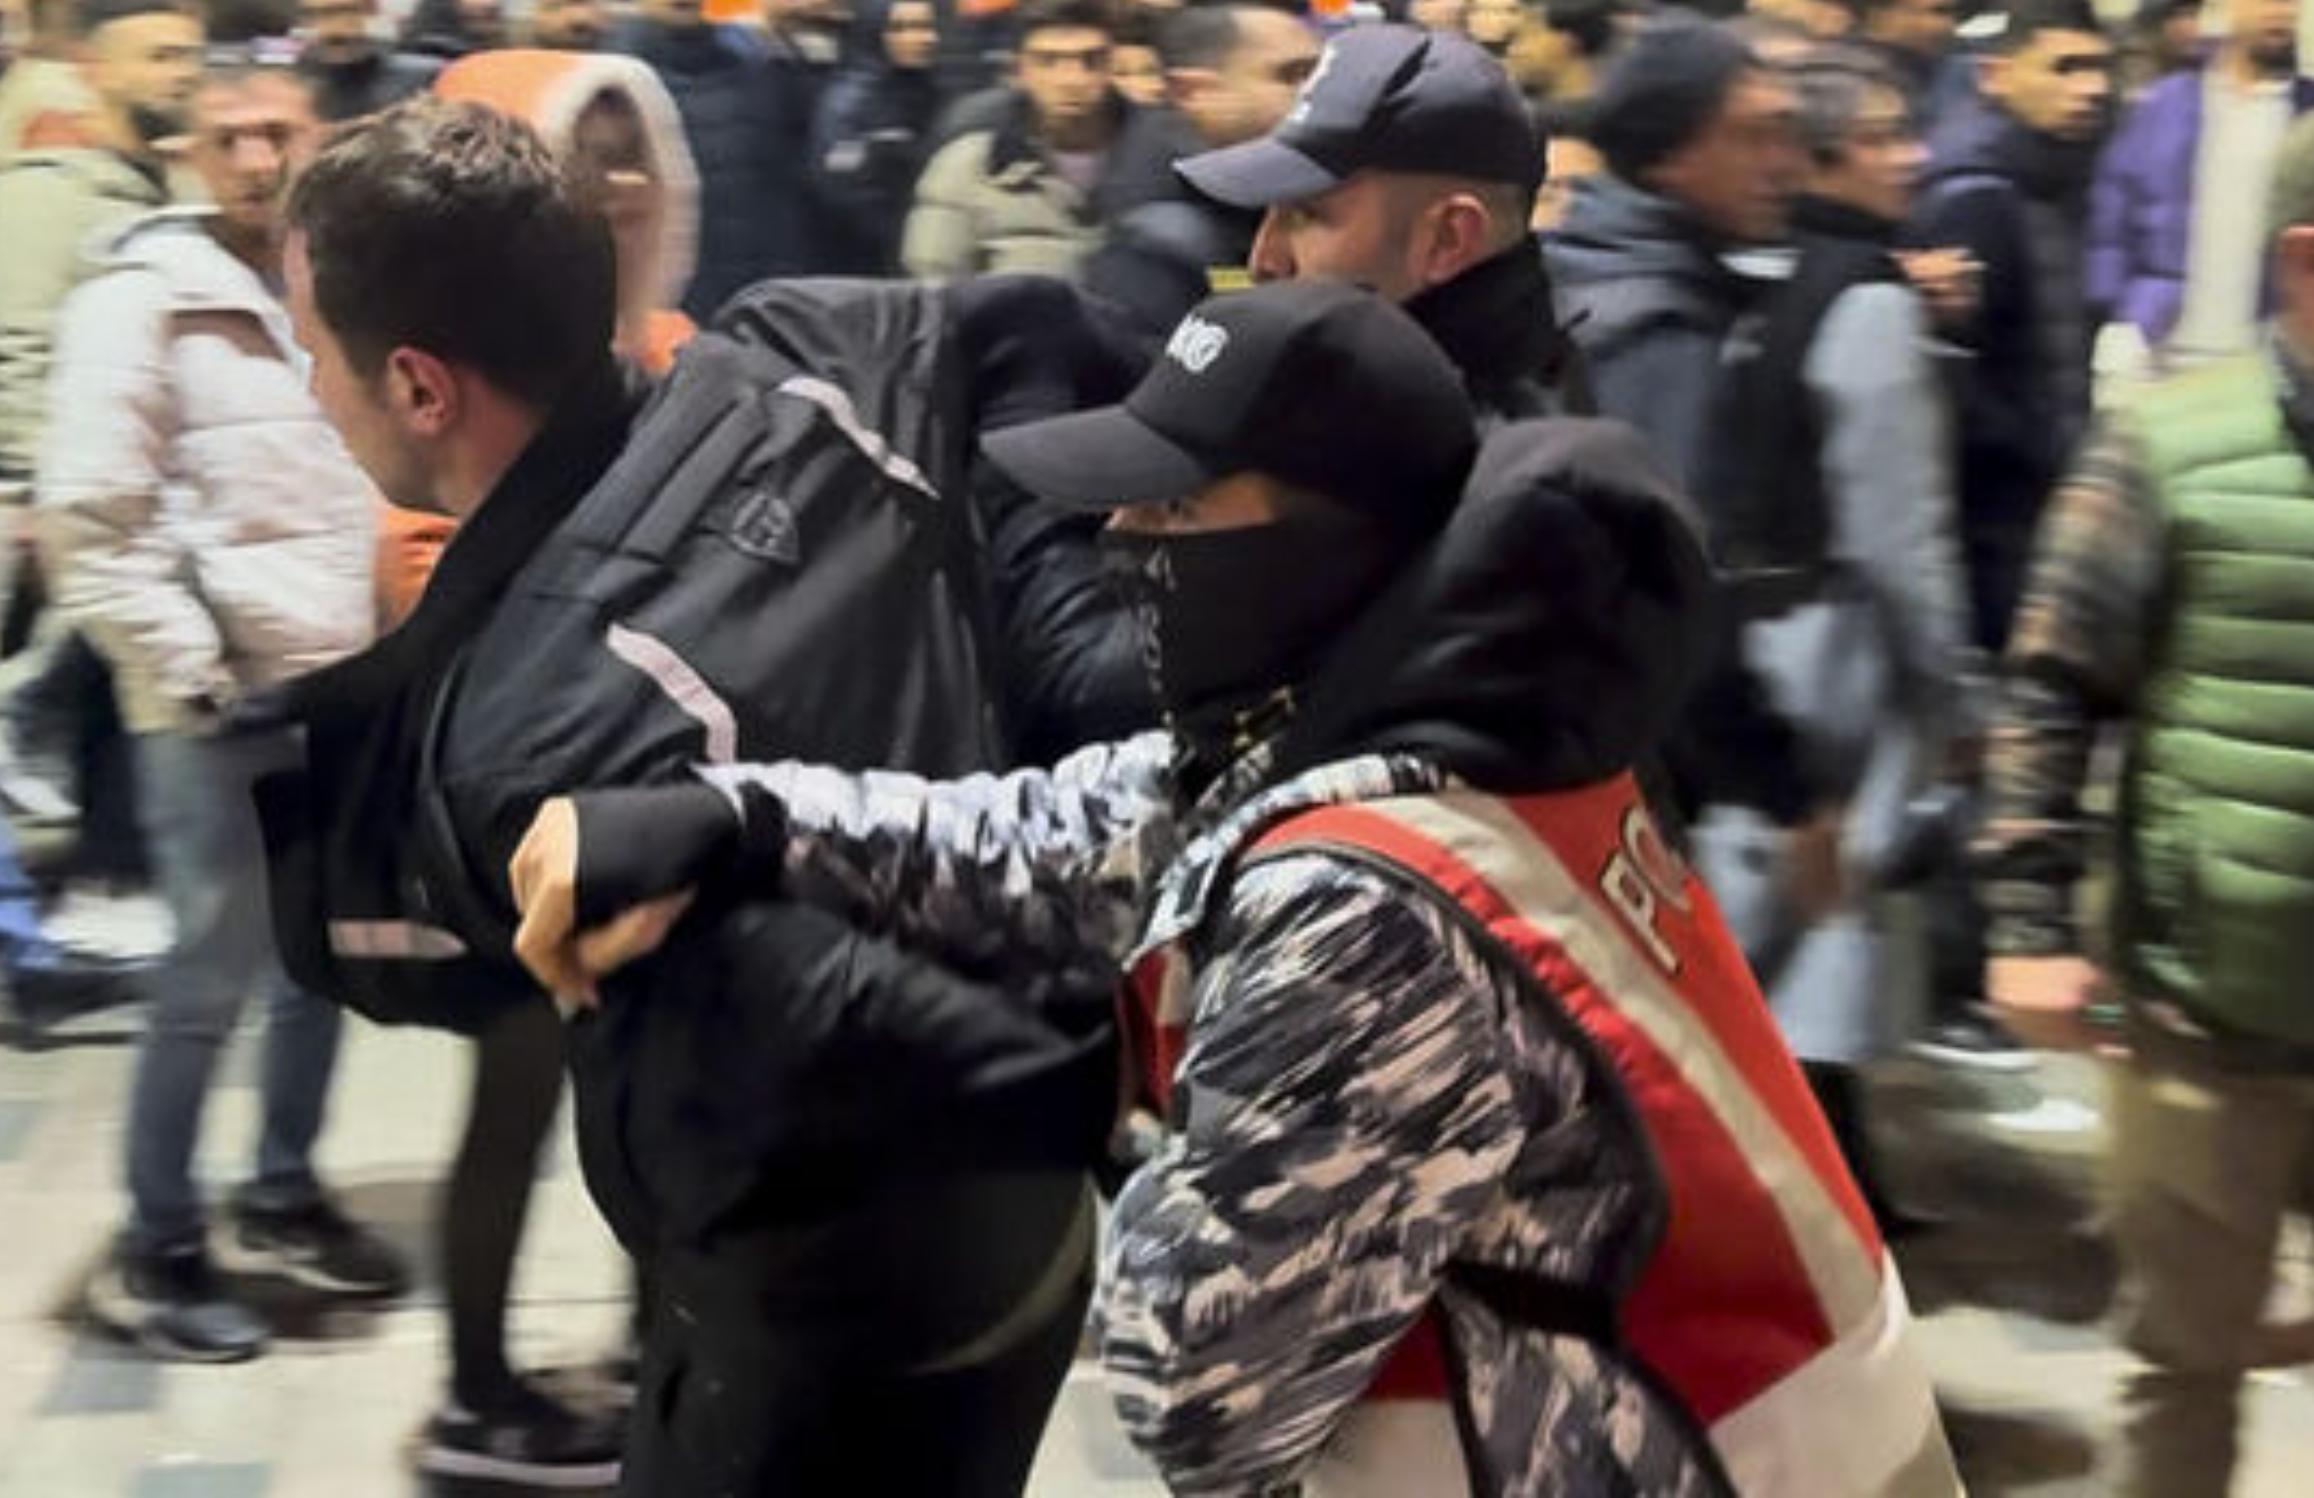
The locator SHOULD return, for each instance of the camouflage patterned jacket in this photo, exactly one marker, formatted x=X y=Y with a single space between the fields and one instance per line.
x=1368 y=1100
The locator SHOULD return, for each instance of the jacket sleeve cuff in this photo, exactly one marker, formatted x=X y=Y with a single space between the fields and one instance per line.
x=637 y=844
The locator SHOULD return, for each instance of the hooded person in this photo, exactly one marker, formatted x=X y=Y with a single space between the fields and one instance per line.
x=610 y=120
x=872 y=131
x=1456 y=1051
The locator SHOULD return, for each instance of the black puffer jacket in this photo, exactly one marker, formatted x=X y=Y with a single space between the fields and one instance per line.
x=870 y=138
x=1072 y=660
x=1548 y=636
x=757 y=215
x=438 y=29
x=2017 y=201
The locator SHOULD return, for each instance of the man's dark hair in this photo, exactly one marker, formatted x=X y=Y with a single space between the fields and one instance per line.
x=91 y=16
x=2027 y=19
x=1203 y=36
x=1033 y=16
x=1135 y=27
x=1198 y=36
x=1590 y=24
x=449 y=227
x=1830 y=85
x=236 y=67
x=230 y=22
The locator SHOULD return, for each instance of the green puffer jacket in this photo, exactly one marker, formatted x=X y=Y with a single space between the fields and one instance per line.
x=2216 y=908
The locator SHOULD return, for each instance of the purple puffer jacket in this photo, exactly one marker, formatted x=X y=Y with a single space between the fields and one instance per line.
x=2141 y=215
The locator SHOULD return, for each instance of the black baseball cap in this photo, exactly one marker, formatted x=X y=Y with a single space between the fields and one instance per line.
x=1386 y=99
x=1320 y=384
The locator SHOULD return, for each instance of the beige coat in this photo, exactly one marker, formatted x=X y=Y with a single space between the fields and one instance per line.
x=972 y=217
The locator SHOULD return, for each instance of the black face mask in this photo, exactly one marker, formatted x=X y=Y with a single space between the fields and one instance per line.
x=1232 y=621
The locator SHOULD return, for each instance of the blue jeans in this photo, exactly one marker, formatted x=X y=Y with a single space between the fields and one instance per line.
x=23 y=942
x=209 y=861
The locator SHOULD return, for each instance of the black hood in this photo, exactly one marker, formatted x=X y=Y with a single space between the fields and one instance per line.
x=1545 y=639
x=1498 y=323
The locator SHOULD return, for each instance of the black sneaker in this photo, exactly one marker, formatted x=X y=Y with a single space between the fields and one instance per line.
x=1973 y=1042
x=316 y=1246
x=173 y=1305
x=73 y=984
x=529 y=1440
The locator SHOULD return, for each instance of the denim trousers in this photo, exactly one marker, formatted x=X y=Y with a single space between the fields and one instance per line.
x=24 y=943
x=208 y=859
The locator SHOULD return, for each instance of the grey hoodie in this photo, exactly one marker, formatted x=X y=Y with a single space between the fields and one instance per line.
x=1647 y=295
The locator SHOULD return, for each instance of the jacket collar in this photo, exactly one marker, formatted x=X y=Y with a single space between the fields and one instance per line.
x=1015 y=146
x=1495 y=320
x=582 y=437
x=1837 y=220
x=1230 y=816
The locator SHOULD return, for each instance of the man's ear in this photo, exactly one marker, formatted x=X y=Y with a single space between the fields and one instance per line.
x=1993 y=74
x=423 y=392
x=1183 y=85
x=1455 y=234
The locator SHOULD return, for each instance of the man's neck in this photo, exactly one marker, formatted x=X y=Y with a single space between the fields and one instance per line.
x=1092 y=133
x=2241 y=68
x=499 y=430
x=260 y=251
x=354 y=62
x=471 y=476
x=113 y=131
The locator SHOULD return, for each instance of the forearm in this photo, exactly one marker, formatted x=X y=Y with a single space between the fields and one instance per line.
x=985 y=871
x=2033 y=850
x=2078 y=656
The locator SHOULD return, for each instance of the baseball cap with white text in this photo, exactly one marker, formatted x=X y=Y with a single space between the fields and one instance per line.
x=1323 y=385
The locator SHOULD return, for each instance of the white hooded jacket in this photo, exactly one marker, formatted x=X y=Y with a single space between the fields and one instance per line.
x=199 y=519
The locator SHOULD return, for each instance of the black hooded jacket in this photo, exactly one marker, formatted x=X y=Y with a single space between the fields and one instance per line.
x=2018 y=202
x=1545 y=639
x=871 y=135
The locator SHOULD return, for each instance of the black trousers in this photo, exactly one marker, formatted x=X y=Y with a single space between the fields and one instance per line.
x=732 y=1407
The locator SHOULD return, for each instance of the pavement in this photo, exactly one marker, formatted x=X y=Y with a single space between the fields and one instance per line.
x=2014 y=1289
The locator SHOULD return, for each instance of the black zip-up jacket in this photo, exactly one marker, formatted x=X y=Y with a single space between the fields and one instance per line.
x=371 y=902
x=802 y=1126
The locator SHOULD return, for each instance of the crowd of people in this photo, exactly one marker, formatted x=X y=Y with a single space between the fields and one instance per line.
x=1309 y=682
